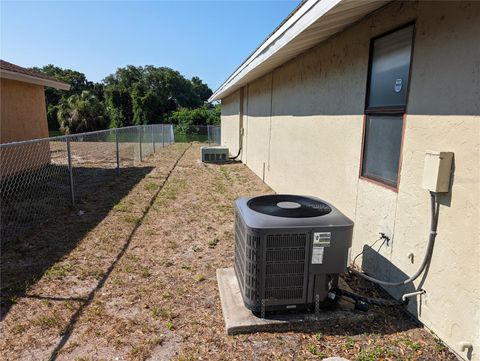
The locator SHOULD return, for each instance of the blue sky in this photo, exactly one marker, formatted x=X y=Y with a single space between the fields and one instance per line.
x=204 y=38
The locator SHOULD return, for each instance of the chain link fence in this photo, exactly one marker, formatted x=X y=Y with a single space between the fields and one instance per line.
x=42 y=177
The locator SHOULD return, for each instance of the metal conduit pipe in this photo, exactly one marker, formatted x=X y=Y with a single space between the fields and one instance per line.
x=412 y=294
x=428 y=252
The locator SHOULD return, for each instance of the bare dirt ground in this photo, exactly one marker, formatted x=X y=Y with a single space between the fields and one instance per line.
x=133 y=278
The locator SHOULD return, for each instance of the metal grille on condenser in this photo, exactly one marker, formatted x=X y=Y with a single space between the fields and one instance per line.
x=215 y=157
x=246 y=259
x=285 y=266
x=240 y=250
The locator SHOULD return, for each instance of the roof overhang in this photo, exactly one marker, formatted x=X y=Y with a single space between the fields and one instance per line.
x=311 y=23
x=6 y=74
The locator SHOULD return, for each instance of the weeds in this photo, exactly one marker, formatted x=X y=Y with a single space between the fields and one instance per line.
x=159 y=312
x=120 y=207
x=151 y=186
x=50 y=321
x=131 y=219
x=439 y=346
x=313 y=349
x=169 y=325
x=373 y=354
x=200 y=278
x=58 y=270
x=213 y=242
x=19 y=328
x=349 y=344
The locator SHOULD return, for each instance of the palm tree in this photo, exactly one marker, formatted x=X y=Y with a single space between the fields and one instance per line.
x=81 y=113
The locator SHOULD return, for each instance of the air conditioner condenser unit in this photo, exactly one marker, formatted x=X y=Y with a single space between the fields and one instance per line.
x=214 y=154
x=289 y=251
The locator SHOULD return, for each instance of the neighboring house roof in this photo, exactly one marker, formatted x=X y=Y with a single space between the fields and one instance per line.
x=15 y=72
x=310 y=23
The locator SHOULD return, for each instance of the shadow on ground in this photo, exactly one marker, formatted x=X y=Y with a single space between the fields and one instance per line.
x=46 y=227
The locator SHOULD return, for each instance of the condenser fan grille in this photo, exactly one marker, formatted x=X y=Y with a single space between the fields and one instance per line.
x=290 y=206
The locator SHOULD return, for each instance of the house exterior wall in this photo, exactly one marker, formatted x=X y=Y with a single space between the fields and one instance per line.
x=230 y=122
x=303 y=126
x=23 y=113
x=23 y=117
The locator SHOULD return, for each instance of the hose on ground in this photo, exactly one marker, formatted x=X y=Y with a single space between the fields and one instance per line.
x=428 y=252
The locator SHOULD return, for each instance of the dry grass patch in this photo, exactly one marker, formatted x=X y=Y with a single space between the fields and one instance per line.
x=160 y=300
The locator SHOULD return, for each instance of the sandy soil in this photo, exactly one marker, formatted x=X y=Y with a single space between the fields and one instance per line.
x=133 y=278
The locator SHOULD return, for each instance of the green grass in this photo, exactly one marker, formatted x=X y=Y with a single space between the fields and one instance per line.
x=58 y=270
x=349 y=344
x=54 y=133
x=439 y=346
x=313 y=349
x=187 y=138
x=169 y=325
x=49 y=321
x=160 y=312
x=373 y=354
x=200 y=278
x=132 y=219
x=120 y=207
x=213 y=242
x=171 y=190
x=151 y=186
x=414 y=346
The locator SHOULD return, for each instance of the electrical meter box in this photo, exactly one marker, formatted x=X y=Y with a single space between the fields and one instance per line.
x=436 y=171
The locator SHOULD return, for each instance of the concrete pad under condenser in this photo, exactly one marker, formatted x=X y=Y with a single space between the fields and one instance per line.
x=239 y=319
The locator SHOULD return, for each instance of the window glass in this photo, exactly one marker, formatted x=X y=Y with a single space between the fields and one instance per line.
x=381 y=153
x=390 y=69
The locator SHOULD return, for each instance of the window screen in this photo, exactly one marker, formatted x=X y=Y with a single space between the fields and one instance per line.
x=381 y=153
x=389 y=70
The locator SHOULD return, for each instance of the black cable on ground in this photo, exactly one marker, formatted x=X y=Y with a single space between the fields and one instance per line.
x=238 y=154
x=368 y=300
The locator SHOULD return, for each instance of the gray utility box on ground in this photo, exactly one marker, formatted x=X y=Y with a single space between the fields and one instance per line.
x=289 y=251
x=214 y=154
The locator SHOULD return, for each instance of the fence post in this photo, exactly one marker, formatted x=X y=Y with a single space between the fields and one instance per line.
x=208 y=133
x=140 y=143
x=70 y=170
x=153 y=138
x=118 y=155
x=163 y=135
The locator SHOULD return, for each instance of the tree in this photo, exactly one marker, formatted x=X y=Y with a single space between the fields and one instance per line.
x=53 y=97
x=81 y=113
x=201 y=89
x=185 y=118
x=132 y=95
x=146 y=95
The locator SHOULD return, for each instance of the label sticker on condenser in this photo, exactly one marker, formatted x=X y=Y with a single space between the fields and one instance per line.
x=322 y=239
x=317 y=255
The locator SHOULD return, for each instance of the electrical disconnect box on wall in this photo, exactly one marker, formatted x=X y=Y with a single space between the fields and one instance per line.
x=436 y=172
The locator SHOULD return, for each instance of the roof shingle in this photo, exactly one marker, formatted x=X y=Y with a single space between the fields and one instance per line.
x=5 y=65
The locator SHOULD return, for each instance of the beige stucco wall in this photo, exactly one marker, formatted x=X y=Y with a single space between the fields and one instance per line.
x=23 y=117
x=303 y=134
x=230 y=122
x=23 y=112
